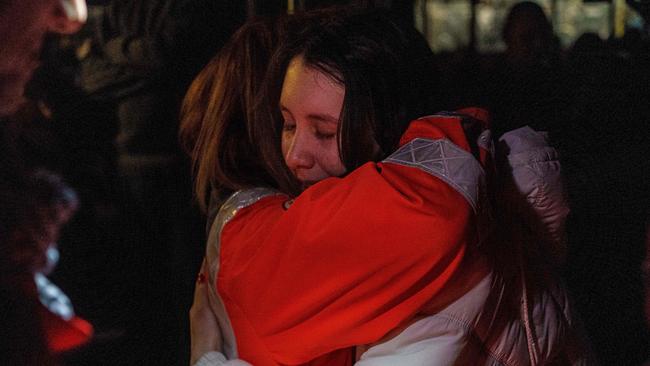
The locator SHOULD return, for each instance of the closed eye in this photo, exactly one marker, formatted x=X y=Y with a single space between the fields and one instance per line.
x=324 y=135
x=288 y=127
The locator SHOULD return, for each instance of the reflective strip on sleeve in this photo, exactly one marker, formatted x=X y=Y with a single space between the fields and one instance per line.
x=228 y=210
x=446 y=161
x=239 y=200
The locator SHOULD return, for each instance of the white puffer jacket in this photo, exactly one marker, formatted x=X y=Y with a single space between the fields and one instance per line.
x=485 y=326
x=532 y=174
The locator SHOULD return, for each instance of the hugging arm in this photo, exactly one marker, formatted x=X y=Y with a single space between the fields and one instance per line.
x=353 y=258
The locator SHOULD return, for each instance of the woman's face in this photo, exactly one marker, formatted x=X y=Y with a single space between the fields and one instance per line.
x=311 y=104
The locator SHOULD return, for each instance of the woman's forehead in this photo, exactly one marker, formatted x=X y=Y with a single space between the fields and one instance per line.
x=310 y=91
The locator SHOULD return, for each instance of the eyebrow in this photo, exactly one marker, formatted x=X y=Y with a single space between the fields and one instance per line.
x=323 y=118
x=318 y=117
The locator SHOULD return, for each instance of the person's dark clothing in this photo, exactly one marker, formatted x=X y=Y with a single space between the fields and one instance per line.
x=144 y=54
x=525 y=95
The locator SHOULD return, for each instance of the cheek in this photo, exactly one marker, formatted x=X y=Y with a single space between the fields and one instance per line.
x=285 y=145
x=331 y=161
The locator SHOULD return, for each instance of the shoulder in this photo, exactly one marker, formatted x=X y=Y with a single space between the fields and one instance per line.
x=237 y=202
x=242 y=199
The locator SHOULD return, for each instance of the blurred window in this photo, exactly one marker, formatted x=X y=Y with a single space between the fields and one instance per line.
x=446 y=23
x=575 y=17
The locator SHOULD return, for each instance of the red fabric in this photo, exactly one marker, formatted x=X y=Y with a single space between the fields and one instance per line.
x=478 y=114
x=352 y=259
x=64 y=335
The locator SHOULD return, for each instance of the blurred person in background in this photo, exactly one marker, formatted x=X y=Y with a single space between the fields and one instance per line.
x=140 y=58
x=526 y=86
x=37 y=320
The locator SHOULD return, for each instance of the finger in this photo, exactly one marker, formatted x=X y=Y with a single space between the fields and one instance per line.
x=202 y=275
x=200 y=290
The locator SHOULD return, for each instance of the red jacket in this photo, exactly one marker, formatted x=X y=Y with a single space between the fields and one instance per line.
x=355 y=258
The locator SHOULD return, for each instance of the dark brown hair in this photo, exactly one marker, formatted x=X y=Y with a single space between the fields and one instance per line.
x=217 y=112
x=388 y=72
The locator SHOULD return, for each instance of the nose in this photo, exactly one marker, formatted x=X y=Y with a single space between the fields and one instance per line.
x=300 y=155
x=68 y=16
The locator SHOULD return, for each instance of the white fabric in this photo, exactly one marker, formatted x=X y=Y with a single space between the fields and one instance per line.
x=218 y=359
x=539 y=192
x=434 y=340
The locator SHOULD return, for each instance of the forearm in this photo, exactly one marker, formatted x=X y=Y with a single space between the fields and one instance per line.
x=353 y=257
